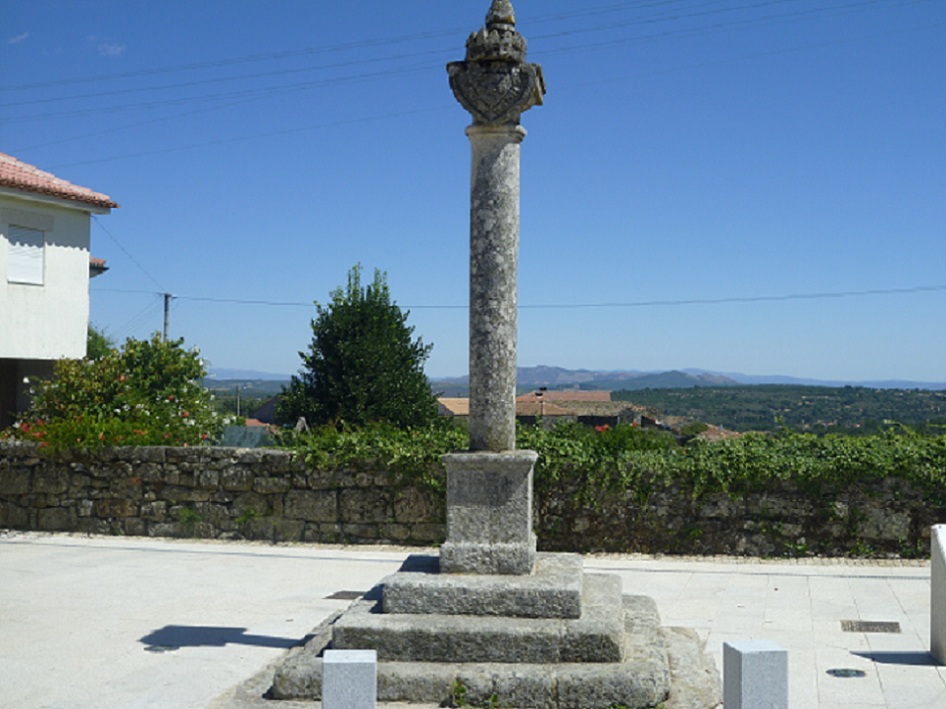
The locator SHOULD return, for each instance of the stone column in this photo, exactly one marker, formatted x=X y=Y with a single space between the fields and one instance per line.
x=494 y=263
x=489 y=488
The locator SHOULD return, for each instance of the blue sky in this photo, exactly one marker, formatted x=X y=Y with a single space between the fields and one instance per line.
x=696 y=166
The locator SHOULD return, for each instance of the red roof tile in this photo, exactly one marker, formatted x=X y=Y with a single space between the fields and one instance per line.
x=457 y=406
x=27 y=178
x=567 y=395
x=96 y=266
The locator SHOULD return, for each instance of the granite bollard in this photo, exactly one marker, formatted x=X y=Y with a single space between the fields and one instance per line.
x=349 y=679
x=938 y=592
x=755 y=675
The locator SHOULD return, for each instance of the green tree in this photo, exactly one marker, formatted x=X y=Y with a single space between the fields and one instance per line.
x=147 y=393
x=363 y=363
x=98 y=344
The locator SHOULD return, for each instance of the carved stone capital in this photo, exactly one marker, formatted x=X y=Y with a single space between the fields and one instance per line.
x=494 y=83
x=496 y=92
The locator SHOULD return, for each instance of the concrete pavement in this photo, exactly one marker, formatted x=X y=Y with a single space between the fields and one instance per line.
x=132 y=622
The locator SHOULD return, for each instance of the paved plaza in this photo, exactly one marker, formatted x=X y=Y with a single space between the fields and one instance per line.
x=132 y=622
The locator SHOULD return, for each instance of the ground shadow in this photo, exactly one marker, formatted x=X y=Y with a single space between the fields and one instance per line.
x=899 y=657
x=177 y=636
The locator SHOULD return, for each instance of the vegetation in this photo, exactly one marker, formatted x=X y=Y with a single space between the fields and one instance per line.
x=412 y=452
x=98 y=344
x=768 y=407
x=626 y=460
x=147 y=393
x=823 y=466
x=363 y=364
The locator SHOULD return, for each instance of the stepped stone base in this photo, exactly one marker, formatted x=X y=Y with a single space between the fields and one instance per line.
x=598 y=636
x=614 y=652
x=640 y=679
x=552 y=591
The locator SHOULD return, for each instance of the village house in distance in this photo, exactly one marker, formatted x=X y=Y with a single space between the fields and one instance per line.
x=551 y=406
x=45 y=269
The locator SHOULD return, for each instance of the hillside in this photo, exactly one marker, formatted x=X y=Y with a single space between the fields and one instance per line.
x=765 y=407
x=529 y=378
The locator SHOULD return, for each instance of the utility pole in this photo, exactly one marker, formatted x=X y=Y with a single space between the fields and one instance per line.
x=167 y=313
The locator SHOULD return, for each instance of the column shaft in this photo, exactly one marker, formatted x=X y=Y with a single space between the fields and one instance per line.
x=494 y=258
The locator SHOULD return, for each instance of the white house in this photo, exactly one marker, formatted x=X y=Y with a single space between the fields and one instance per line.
x=44 y=275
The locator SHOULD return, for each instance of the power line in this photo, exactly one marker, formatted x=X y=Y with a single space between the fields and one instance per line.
x=268 y=134
x=743 y=299
x=217 y=102
x=247 y=94
x=573 y=306
x=246 y=59
x=253 y=95
x=142 y=316
x=125 y=251
x=268 y=91
x=220 y=80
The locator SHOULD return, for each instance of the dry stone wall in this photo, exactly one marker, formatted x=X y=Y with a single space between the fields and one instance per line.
x=236 y=493
x=229 y=493
x=886 y=518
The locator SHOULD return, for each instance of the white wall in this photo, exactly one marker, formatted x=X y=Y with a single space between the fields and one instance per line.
x=48 y=321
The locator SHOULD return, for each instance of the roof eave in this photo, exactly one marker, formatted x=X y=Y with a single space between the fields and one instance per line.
x=73 y=203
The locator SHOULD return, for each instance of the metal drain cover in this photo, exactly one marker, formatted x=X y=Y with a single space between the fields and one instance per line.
x=345 y=595
x=846 y=672
x=869 y=626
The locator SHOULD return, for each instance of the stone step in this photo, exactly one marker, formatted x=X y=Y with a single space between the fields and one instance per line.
x=597 y=636
x=554 y=590
x=640 y=680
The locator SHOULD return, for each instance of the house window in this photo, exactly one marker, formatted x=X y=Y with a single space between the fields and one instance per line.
x=25 y=255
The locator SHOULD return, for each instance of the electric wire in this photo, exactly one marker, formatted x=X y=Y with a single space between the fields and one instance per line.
x=125 y=251
x=151 y=310
x=443 y=107
x=768 y=19
x=573 y=306
x=218 y=101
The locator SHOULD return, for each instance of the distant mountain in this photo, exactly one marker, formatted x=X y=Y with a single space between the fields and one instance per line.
x=245 y=375
x=561 y=378
x=677 y=380
x=780 y=379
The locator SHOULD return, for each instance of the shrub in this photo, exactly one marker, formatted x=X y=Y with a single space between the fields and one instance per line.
x=147 y=393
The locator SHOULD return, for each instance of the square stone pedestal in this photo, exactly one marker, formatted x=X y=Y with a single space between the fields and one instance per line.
x=489 y=513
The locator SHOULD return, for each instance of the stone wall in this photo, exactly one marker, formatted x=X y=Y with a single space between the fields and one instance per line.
x=230 y=493
x=883 y=519
x=236 y=493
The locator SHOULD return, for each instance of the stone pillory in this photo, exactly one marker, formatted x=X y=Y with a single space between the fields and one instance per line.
x=490 y=615
x=489 y=488
x=495 y=85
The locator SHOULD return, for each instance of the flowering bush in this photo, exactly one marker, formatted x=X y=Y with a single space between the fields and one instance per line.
x=147 y=393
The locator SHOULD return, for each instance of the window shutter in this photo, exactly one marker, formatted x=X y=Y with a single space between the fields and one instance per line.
x=25 y=255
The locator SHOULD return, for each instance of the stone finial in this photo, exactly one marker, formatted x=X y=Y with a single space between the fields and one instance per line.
x=501 y=13
x=494 y=83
